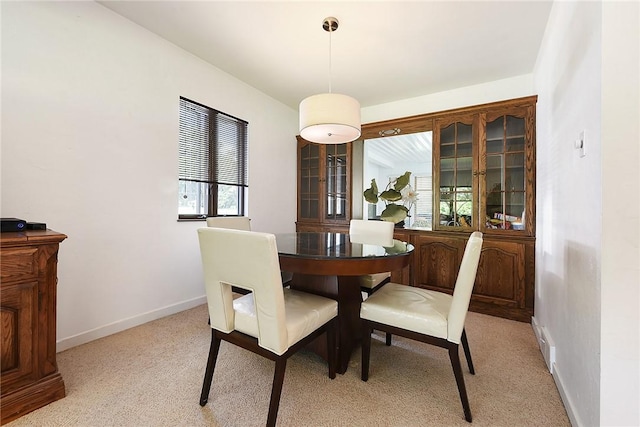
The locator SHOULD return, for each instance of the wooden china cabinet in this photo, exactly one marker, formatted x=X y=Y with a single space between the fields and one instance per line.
x=324 y=186
x=483 y=167
x=484 y=179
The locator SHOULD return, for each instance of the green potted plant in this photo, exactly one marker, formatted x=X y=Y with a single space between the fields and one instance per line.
x=398 y=197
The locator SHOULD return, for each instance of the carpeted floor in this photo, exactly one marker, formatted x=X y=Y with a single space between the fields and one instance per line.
x=151 y=375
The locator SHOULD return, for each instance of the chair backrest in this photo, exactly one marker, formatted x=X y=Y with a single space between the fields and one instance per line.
x=464 y=287
x=232 y=222
x=248 y=260
x=371 y=232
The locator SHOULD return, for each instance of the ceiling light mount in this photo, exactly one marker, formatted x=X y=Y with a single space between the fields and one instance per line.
x=330 y=24
x=330 y=118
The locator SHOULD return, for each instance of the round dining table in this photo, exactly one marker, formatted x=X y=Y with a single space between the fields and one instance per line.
x=329 y=264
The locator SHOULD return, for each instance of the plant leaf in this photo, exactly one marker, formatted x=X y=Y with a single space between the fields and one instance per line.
x=397 y=248
x=391 y=195
x=402 y=181
x=394 y=213
x=371 y=194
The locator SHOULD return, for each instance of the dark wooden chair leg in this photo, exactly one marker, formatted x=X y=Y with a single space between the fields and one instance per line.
x=366 y=349
x=467 y=352
x=276 y=391
x=211 y=365
x=388 y=339
x=331 y=348
x=457 y=371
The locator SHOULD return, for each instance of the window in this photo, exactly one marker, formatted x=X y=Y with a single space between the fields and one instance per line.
x=423 y=207
x=213 y=163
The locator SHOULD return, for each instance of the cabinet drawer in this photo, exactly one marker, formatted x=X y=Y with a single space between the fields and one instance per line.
x=19 y=264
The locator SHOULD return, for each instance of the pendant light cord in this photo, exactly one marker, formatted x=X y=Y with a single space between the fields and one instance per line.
x=330 y=31
x=330 y=24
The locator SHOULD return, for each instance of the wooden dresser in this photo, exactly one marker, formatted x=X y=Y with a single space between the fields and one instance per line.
x=29 y=377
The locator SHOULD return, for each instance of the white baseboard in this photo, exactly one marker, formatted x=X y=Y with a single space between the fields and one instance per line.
x=545 y=342
x=568 y=405
x=124 y=324
x=548 y=350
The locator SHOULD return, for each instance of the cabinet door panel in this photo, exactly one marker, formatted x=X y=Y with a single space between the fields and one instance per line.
x=454 y=164
x=336 y=188
x=500 y=276
x=309 y=181
x=18 y=315
x=438 y=260
x=507 y=171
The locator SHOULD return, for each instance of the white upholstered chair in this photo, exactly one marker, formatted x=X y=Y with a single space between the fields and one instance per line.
x=231 y=222
x=427 y=316
x=240 y=223
x=271 y=321
x=372 y=233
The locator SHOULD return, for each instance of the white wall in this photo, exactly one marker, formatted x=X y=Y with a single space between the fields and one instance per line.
x=587 y=209
x=89 y=146
x=620 y=289
x=499 y=90
x=569 y=203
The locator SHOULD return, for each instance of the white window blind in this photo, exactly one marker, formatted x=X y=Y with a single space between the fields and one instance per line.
x=212 y=162
x=423 y=208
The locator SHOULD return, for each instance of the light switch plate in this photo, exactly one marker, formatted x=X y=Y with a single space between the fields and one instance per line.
x=580 y=144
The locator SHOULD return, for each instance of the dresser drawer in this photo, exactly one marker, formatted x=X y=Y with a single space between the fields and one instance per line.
x=19 y=264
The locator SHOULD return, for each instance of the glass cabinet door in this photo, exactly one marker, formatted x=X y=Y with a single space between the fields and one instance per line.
x=336 y=182
x=455 y=175
x=309 y=185
x=505 y=176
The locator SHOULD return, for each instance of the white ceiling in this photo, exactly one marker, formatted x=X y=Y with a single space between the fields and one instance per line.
x=383 y=51
x=391 y=151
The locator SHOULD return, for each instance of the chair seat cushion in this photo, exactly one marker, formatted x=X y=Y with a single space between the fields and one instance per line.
x=410 y=308
x=372 y=280
x=305 y=313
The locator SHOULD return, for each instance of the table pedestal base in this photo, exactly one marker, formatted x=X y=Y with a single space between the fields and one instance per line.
x=345 y=290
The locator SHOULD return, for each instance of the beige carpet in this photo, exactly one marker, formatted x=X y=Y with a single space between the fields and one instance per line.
x=151 y=375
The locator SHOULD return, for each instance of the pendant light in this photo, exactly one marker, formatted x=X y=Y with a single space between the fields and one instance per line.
x=330 y=118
